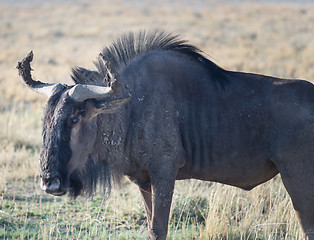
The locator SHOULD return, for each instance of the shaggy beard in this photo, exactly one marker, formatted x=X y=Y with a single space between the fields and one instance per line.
x=94 y=173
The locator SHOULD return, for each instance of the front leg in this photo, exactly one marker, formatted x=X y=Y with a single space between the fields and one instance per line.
x=142 y=180
x=162 y=182
x=147 y=197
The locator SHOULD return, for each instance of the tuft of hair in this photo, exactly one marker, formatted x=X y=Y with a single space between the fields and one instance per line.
x=97 y=173
x=131 y=45
x=84 y=76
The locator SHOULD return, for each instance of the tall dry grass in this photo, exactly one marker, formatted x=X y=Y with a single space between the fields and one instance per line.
x=269 y=38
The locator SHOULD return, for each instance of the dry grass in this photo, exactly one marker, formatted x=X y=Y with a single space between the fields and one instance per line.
x=269 y=38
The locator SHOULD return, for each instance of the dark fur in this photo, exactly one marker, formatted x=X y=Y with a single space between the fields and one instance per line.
x=95 y=172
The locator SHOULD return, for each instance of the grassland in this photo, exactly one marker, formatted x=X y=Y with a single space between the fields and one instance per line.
x=271 y=38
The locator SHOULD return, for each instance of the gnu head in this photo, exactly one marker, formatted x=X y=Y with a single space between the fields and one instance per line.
x=70 y=129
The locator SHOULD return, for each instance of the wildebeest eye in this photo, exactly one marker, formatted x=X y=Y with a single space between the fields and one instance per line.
x=74 y=120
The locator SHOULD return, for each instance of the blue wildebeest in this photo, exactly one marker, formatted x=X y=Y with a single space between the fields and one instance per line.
x=156 y=110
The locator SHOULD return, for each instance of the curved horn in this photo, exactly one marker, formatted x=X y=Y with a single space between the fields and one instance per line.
x=82 y=92
x=25 y=69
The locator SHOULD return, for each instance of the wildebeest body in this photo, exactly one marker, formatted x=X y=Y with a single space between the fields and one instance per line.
x=208 y=126
x=176 y=116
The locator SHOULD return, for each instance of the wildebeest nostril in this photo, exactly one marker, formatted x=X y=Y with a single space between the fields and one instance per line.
x=50 y=185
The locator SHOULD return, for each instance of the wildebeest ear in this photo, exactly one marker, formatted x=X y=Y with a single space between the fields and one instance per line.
x=96 y=107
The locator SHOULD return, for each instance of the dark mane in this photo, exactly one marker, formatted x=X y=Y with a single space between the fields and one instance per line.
x=131 y=45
